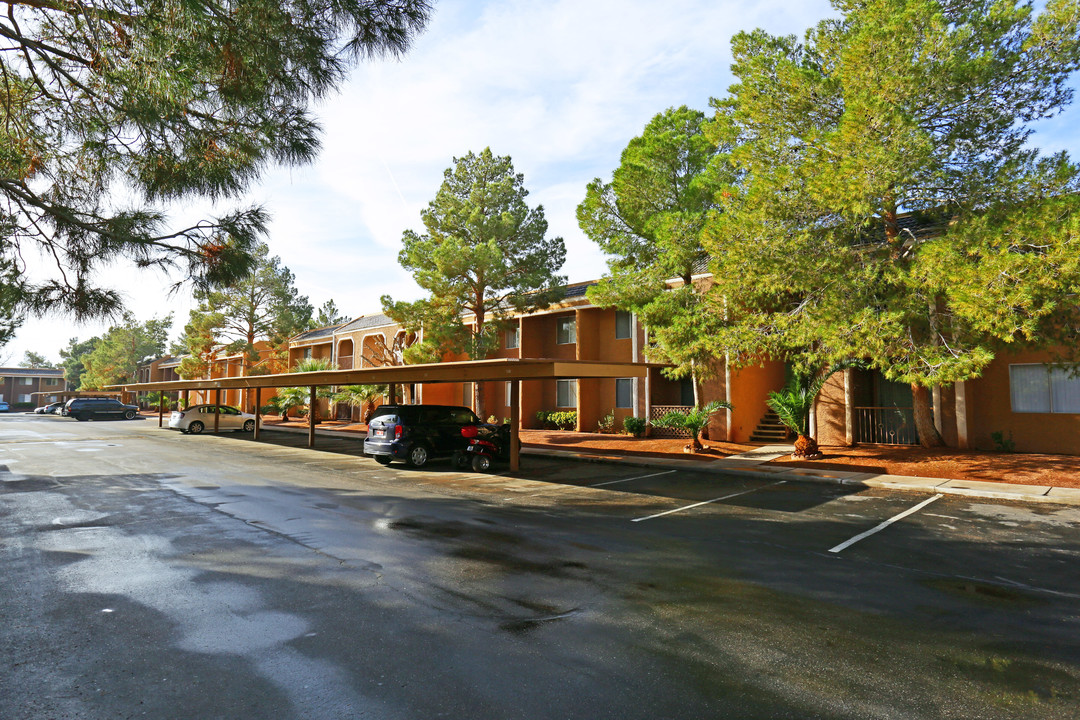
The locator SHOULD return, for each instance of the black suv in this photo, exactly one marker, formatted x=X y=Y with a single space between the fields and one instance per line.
x=417 y=433
x=96 y=408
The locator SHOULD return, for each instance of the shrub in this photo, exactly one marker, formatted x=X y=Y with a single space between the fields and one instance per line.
x=1001 y=444
x=634 y=426
x=564 y=419
x=607 y=423
x=694 y=420
x=543 y=417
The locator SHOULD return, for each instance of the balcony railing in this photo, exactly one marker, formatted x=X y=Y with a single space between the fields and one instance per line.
x=345 y=363
x=658 y=411
x=885 y=425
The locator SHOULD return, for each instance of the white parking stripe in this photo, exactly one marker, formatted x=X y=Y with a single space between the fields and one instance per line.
x=882 y=526
x=706 y=502
x=639 y=477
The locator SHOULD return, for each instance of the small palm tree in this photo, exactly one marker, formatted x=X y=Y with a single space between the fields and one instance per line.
x=358 y=396
x=289 y=398
x=694 y=420
x=314 y=365
x=792 y=405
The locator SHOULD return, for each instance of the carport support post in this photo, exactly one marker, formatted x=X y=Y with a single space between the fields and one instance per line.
x=217 y=409
x=515 y=421
x=161 y=410
x=258 y=402
x=312 y=409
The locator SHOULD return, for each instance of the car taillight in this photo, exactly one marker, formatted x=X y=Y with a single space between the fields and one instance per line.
x=398 y=432
x=470 y=431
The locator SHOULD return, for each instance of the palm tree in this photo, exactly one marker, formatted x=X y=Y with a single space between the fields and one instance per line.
x=314 y=365
x=358 y=396
x=289 y=398
x=793 y=403
x=694 y=420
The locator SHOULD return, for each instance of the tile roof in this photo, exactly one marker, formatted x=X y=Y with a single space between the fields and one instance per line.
x=366 y=321
x=32 y=372
x=323 y=332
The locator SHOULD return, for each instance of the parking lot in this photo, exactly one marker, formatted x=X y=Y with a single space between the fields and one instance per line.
x=263 y=578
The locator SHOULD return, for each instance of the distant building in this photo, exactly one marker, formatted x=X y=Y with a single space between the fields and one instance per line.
x=20 y=384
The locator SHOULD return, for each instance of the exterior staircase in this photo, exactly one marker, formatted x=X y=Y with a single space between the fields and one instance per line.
x=769 y=430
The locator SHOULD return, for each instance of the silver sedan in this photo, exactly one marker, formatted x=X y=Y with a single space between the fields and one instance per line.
x=198 y=418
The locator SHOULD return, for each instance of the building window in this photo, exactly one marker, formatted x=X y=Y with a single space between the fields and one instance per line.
x=566 y=330
x=686 y=392
x=51 y=381
x=511 y=338
x=1044 y=389
x=307 y=353
x=24 y=398
x=467 y=394
x=566 y=393
x=624 y=393
x=26 y=381
x=622 y=324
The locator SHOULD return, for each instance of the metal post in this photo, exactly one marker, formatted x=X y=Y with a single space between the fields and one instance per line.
x=217 y=409
x=161 y=411
x=312 y=407
x=515 y=422
x=258 y=412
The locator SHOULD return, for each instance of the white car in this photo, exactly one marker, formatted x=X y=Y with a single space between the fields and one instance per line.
x=199 y=418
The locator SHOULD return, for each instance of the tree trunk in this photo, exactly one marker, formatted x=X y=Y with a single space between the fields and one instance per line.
x=478 y=399
x=923 y=408
x=805 y=447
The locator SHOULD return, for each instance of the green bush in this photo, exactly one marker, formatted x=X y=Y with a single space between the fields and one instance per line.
x=634 y=426
x=564 y=419
x=607 y=423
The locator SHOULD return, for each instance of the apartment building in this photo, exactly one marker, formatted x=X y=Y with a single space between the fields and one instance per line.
x=19 y=385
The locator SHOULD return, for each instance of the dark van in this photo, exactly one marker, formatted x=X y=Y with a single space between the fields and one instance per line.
x=417 y=433
x=98 y=408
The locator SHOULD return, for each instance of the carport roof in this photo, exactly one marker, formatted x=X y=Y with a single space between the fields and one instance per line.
x=467 y=371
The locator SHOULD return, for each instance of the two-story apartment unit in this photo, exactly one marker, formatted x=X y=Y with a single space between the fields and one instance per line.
x=20 y=384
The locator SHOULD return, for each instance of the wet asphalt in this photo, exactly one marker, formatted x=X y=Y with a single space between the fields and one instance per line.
x=152 y=574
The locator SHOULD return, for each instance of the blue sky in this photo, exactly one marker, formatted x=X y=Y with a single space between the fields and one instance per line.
x=559 y=86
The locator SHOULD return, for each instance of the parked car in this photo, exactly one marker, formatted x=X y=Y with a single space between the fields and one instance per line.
x=4 y=407
x=48 y=409
x=418 y=433
x=97 y=408
x=198 y=418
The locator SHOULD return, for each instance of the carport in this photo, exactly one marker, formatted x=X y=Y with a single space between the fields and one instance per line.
x=503 y=370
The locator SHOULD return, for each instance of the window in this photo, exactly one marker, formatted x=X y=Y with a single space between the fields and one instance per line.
x=622 y=324
x=51 y=381
x=686 y=392
x=307 y=353
x=566 y=330
x=26 y=381
x=466 y=394
x=1044 y=389
x=566 y=393
x=511 y=338
x=24 y=398
x=624 y=393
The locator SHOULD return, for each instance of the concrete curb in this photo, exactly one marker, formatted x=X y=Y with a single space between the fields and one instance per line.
x=968 y=488
x=755 y=468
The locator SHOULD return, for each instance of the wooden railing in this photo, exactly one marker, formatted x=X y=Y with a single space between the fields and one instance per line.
x=658 y=411
x=885 y=425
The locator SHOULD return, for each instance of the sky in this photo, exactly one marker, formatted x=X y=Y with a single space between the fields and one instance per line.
x=561 y=86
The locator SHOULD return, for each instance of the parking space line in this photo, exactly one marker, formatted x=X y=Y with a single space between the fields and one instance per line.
x=706 y=502
x=848 y=543
x=639 y=477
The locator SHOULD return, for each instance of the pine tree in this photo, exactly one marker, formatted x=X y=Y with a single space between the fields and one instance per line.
x=887 y=203
x=485 y=256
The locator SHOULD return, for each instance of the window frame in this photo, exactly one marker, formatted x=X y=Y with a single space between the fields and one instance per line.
x=569 y=325
x=571 y=391
x=629 y=318
x=515 y=334
x=627 y=383
x=1060 y=376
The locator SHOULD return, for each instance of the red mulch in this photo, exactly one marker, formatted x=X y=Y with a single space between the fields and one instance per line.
x=950 y=463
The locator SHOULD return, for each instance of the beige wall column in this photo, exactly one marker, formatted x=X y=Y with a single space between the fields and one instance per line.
x=962 y=441
x=849 y=407
x=515 y=424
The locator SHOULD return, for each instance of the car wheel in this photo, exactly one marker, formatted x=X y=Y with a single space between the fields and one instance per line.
x=418 y=456
x=382 y=459
x=481 y=463
x=129 y=415
x=249 y=426
x=195 y=428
